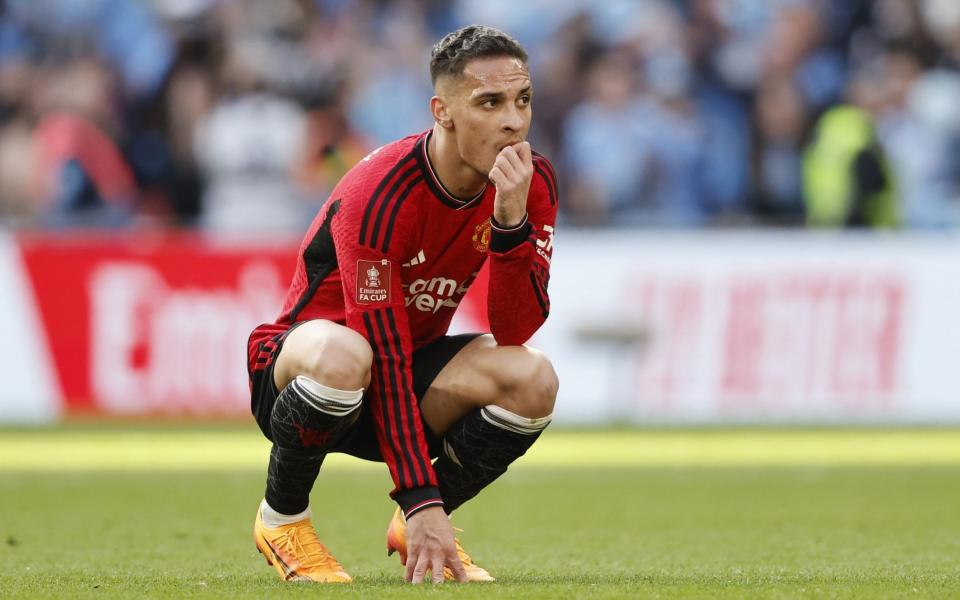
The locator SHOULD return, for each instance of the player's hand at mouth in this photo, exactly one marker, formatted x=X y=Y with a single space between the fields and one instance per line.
x=511 y=174
x=430 y=546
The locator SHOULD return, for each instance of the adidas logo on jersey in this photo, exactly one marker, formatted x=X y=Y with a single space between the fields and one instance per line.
x=419 y=259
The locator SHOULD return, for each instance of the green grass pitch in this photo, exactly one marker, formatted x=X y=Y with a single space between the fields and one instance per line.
x=164 y=512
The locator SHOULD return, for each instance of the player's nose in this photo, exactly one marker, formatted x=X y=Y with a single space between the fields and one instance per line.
x=513 y=120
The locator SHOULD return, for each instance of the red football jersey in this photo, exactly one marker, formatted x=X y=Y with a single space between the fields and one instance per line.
x=391 y=255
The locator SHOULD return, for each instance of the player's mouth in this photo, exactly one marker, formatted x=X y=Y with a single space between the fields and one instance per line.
x=513 y=143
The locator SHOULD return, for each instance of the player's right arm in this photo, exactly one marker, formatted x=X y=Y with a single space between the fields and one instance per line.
x=371 y=237
x=371 y=232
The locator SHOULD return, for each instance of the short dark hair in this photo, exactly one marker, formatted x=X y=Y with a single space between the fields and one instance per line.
x=451 y=54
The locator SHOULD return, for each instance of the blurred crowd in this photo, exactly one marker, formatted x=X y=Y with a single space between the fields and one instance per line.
x=241 y=115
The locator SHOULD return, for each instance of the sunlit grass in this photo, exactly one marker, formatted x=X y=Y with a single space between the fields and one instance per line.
x=242 y=449
x=111 y=511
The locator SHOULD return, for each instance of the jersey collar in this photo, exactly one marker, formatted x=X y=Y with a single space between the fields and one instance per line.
x=433 y=182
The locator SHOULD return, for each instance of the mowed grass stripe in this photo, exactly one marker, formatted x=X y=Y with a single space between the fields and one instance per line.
x=164 y=449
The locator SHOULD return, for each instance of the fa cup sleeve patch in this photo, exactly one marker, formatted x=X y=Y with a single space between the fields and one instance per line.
x=373 y=281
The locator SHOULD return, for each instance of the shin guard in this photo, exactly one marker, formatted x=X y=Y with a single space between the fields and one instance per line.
x=478 y=448
x=307 y=419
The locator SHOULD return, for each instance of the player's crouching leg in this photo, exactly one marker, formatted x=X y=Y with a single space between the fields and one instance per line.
x=310 y=415
x=326 y=367
x=479 y=448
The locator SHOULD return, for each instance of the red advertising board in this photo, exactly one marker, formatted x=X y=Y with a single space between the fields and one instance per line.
x=157 y=323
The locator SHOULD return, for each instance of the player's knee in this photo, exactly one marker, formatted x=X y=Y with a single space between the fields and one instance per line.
x=531 y=384
x=340 y=361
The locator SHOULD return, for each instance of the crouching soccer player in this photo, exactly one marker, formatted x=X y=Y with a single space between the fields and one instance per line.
x=359 y=361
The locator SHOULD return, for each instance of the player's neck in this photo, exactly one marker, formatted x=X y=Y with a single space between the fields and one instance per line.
x=456 y=176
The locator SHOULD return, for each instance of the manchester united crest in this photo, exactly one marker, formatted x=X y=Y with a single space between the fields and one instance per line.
x=481 y=236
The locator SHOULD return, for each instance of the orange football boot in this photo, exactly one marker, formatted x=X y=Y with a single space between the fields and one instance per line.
x=397 y=542
x=296 y=552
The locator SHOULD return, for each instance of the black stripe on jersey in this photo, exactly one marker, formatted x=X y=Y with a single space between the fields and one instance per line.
x=393 y=214
x=546 y=178
x=381 y=383
x=410 y=401
x=549 y=167
x=383 y=183
x=395 y=361
x=391 y=423
x=391 y=197
x=319 y=259
x=385 y=201
x=543 y=276
x=544 y=305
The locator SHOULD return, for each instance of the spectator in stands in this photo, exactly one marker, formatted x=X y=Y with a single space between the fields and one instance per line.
x=847 y=179
x=609 y=147
x=391 y=87
x=248 y=147
x=781 y=118
x=79 y=175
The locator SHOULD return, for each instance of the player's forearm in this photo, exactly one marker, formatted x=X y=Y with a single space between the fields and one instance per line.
x=405 y=451
x=410 y=492
x=394 y=407
x=517 y=301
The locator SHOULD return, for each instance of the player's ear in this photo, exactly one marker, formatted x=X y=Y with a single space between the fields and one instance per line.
x=441 y=112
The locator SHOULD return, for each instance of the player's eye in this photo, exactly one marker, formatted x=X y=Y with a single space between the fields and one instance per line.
x=524 y=100
x=489 y=103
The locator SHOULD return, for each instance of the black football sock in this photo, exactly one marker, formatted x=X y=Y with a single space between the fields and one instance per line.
x=307 y=419
x=479 y=447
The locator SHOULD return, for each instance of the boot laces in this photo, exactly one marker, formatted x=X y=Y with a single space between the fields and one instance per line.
x=302 y=541
x=465 y=559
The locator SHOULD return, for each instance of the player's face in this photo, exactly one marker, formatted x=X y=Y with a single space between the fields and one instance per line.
x=490 y=109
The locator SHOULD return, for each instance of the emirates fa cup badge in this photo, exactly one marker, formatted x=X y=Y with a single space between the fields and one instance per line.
x=373 y=281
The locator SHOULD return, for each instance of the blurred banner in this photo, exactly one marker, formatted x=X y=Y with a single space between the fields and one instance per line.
x=757 y=328
x=141 y=325
x=646 y=328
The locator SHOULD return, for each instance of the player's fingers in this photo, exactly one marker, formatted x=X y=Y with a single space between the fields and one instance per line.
x=412 y=557
x=525 y=152
x=509 y=169
x=453 y=561
x=509 y=152
x=420 y=570
x=436 y=565
x=511 y=156
x=497 y=176
x=513 y=167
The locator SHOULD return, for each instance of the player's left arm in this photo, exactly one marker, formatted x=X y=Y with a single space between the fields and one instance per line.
x=521 y=244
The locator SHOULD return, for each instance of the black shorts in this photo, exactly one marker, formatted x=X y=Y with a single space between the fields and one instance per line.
x=361 y=440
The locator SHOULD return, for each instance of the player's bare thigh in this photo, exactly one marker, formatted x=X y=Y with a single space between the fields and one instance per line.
x=518 y=378
x=329 y=353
